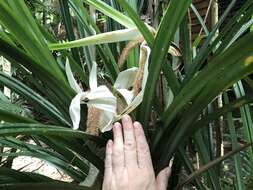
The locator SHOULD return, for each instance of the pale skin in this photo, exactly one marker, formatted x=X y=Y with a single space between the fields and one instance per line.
x=128 y=164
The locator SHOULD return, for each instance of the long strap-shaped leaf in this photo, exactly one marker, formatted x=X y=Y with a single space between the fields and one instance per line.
x=19 y=21
x=7 y=116
x=246 y=119
x=19 y=57
x=17 y=176
x=33 y=97
x=201 y=21
x=12 y=129
x=224 y=110
x=200 y=81
x=108 y=37
x=34 y=44
x=141 y=25
x=55 y=158
x=205 y=158
x=189 y=167
x=44 y=186
x=170 y=22
x=88 y=25
x=235 y=144
x=205 y=50
x=210 y=165
x=109 y=11
x=64 y=7
x=224 y=70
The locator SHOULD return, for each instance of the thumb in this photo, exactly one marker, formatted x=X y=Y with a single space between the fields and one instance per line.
x=162 y=179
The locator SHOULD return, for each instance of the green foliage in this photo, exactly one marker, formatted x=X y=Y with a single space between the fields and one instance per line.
x=181 y=114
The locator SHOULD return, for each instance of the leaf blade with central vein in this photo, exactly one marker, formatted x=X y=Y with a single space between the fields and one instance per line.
x=113 y=13
x=161 y=46
x=108 y=37
x=148 y=36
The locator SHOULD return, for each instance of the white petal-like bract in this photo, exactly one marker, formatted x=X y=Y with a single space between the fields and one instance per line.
x=71 y=79
x=106 y=121
x=93 y=77
x=126 y=78
x=103 y=99
x=127 y=94
x=75 y=109
x=145 y=75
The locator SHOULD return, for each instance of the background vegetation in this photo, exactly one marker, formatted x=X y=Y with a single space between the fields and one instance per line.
x=196 y=109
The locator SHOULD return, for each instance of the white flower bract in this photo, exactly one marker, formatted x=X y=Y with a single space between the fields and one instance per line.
x=102 y=98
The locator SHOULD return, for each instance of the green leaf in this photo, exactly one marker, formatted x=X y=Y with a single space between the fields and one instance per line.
x=21 y=21
x=189 y=167
x=201 y=21
x=12 y=117
x=205 y=50
x=103 y=50
x=210 y=165
x=33 y=97
x=108 y=37
x=237 y=160
x=238 y=60
x=246 y=119
x=13 y=129
x=64 y=7
x=26 y=149
x=232 y=106
x=3 y=97
x=44 y=186
x=18 y=56
x=170 y=22
x=109 y=11
x=205 y=158
x=144 y=29
x=21 y=177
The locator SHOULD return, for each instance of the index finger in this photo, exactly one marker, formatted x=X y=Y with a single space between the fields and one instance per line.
x=129 y=142
x=143 y=152
x=118 y=148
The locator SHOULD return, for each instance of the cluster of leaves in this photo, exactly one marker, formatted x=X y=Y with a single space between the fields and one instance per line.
x=178 y=112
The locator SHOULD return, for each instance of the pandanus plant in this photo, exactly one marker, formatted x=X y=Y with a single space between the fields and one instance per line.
x=91 y=79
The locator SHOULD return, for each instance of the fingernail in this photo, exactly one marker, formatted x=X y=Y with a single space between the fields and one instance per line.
x=116 y=125
x=125 y=118
x=168 y=170
x=136 y=124
x=109 y=143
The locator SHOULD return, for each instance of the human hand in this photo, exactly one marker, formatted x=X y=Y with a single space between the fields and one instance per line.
x=128 y=164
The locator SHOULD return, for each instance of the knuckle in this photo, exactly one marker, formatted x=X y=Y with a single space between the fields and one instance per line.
x=138 y=133
x=117 y=153
x=129 y=145
x=150 y=175
x=118 y=135
x=144 y=148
